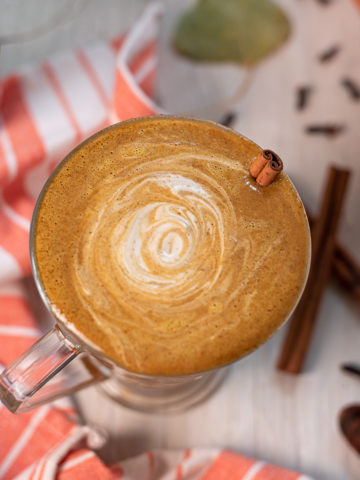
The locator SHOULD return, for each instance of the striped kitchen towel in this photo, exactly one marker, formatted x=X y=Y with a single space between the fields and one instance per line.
x=45 y=111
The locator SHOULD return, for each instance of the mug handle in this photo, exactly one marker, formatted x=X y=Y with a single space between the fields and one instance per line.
x=22 y=383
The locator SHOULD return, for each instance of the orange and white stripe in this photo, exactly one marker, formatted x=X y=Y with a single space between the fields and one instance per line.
x=129 y=99
x=19 y=125
x=79 y=96
x=15 y=331
x=10 y=267
x=18 y=329
x=199 y=464
x=14 y=241
x=23 y=439
x=8 y=164
x=143 y=68
x=48 y=109
x=194 y=464
x=91 y=72
x=17 y=206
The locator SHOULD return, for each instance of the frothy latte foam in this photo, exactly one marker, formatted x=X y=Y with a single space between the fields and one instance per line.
x=154 y=243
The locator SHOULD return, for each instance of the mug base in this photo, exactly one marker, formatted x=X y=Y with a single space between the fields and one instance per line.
x=166 y=396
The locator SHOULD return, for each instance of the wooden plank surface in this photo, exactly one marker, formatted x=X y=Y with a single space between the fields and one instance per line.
x=258 y=411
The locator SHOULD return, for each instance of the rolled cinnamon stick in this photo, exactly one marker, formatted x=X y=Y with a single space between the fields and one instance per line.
x=270 y=171
x=266 y=167
x=300 y=329
x=259 y=163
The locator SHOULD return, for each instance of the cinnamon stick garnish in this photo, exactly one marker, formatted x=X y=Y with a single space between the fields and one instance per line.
x=266 y=167
x=344 y=268
x=301 y=326
x=259 y=163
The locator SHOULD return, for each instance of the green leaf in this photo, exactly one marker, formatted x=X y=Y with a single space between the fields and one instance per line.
x=242 y=31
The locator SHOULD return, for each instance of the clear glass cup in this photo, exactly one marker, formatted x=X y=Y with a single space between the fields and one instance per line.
x=35 y=377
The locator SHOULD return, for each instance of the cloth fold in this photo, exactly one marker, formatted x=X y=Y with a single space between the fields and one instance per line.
x=45 y=111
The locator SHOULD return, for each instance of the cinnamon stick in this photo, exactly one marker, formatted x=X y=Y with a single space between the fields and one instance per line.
x=344 y=268
x=301 y=326
x=266 y=167
x=259 y=163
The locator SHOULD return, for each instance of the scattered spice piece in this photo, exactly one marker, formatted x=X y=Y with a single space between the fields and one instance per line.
x=259 y=163
x=266 y=167
x=327 y=129
x=352 y=88
x=325 y=2
x=349 y=421
x=351 y=368
x=298 y=335
x=329 y=54
x=303 y=94
x=228 y=119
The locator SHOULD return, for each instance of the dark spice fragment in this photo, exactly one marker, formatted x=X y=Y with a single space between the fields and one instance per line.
x=351 y=368
x=228 y=119
x=303 y=94
x=352 y=88
x=349 y=421
x=326 y=129
x=325 y=2
x=329 y=54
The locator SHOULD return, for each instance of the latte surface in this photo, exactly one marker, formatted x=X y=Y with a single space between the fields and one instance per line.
x=154 y=243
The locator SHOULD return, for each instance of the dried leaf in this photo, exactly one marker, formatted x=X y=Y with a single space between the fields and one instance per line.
x=242 y=31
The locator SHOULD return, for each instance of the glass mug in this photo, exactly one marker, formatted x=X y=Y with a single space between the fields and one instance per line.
x=29 y=381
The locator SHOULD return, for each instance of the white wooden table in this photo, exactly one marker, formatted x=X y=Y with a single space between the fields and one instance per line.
x=258 y=411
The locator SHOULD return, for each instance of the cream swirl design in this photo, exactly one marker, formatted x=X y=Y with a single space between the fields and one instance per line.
x=153 y=247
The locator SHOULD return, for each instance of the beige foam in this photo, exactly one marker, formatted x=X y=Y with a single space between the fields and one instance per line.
x=155 y=243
